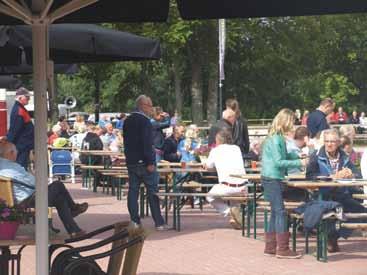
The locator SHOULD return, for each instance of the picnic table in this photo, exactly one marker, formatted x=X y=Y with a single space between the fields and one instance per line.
x=174 y=171
x=314 y=185
x=25 y=237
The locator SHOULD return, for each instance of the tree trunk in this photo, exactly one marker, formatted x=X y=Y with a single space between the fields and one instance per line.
x=178 y=92
x=212 y=102
x=196 y=93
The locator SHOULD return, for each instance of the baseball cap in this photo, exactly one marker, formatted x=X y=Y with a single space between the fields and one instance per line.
x=22 y=91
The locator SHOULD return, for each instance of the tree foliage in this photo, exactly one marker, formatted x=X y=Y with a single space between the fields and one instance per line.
x=271 y=63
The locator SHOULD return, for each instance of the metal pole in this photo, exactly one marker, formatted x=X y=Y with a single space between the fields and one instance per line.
x=220 y=99
x=40 y=49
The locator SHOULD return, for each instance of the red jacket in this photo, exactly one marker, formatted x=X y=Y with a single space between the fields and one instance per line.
x=340 y=117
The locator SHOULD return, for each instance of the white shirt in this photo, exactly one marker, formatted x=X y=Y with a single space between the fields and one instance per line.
x=227 y=159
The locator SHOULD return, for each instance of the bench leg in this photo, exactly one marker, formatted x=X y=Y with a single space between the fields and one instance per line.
x=248 y=216
x=254 y=211
x=243 y=212
x=175 y=203
x=294 y=234
x=307 y=243
x=266 y=220
x=178 y=214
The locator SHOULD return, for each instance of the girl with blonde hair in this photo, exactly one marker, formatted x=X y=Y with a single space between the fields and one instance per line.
x=275 y=162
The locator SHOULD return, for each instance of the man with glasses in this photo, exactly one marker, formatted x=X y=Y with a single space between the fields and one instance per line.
x=140 y=161
x=331 y=161
x=21 y=129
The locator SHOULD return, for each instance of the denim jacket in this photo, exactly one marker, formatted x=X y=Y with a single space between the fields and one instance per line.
x=23 y=182
x=319 y=165
x=275 y=158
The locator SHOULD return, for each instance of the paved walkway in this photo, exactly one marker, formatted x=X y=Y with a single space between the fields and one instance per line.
x=206 y=245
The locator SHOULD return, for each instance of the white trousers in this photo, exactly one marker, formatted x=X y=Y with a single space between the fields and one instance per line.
x=224 y=190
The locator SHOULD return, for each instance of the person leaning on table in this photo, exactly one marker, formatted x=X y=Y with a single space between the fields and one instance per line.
x=330 y=160
x=275 y=162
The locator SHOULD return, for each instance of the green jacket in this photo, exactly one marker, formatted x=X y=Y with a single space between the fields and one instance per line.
x=275 y=159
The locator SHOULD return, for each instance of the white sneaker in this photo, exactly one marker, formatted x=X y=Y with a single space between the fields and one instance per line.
x=162 y=227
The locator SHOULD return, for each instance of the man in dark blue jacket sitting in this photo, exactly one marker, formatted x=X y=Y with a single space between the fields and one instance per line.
x=170 y=152
x=140 y=161
x=21 y=129
x=331 y=161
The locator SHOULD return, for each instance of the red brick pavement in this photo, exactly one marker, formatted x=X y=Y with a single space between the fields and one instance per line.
x=206 y=245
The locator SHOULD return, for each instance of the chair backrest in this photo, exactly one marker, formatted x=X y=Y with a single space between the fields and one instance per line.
x=114 y=264
x=61 y=156
x=6 y=191
x=132 y=254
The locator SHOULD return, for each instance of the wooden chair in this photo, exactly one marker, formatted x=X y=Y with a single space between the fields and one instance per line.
x=6 y=194
x=6 y=191
x=125 y=246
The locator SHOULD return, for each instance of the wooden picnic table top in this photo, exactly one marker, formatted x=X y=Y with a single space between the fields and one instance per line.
x=101 y=153
x=309 y=184
x=184 y=170
x=63 y=148
x=26 y=236
x=178 y=164
x=257 y=177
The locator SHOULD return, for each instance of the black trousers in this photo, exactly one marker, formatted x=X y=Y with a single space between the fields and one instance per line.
x=59 y=197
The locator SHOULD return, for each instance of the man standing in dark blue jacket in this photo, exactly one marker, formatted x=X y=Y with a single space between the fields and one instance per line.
x=316 y=121
x=140 y=161
x=21 y=130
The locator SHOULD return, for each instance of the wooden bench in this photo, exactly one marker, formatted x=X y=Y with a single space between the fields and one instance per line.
x=177 y=205
x=322 y=231
x=361 y=226
x=264 y=205
x=360 y=196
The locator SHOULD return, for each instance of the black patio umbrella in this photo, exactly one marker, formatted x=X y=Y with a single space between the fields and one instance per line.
x=27 y=69
x=215 y=9
x=40 y=14
x=76 y=43
x=9 y=82
x=83 y=43
x=94 y=11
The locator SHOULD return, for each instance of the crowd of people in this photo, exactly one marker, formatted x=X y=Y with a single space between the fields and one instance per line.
x=148 y=135
x=338 y=117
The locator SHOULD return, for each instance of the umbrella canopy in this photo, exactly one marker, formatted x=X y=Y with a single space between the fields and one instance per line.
x=98 y=12
x=211 y=9
x=83 y=43
x=28 y=69
x=9 y=82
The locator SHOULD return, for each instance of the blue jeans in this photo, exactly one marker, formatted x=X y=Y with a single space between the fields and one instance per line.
x=138 y=174
x=273 y=193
